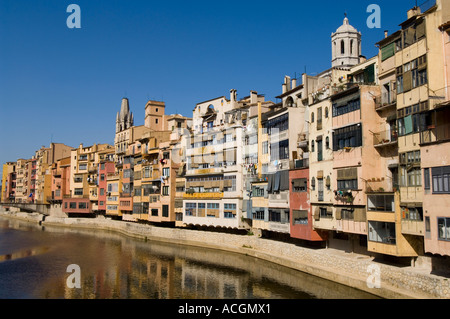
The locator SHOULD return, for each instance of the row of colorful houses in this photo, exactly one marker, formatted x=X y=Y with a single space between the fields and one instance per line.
x=355 y=158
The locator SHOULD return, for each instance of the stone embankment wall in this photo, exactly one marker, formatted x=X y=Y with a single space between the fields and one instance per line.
x=348 y=269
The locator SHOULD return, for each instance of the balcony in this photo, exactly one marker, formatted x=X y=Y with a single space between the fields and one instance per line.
x=385 y=138
x=385 y=100
x=299 y=163
x=203 y=195
x=435 y=134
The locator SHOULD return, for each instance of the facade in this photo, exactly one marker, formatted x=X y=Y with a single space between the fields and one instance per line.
x=83 y=197
x=435 y=159
x=8 y=182
x=216 y=162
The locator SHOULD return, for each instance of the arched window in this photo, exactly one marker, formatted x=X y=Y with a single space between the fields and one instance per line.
x=351 y=46
x=342 y=47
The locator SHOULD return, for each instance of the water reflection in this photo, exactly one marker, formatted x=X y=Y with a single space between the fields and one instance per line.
x=116 y=266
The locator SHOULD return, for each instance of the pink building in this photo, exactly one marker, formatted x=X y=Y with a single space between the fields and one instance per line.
x=301 y=225
x=106 y=167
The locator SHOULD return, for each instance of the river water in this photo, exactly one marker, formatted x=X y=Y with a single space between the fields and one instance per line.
x=34 y=264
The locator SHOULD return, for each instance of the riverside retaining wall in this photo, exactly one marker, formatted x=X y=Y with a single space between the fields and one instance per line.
x=348 y=269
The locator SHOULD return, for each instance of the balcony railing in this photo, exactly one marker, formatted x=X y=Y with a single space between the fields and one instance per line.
x=386 y=99
x=299 y=163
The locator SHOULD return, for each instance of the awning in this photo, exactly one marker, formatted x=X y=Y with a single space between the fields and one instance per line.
x=301 y=213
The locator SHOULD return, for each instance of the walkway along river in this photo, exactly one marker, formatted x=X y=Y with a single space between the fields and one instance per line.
x=156 y=265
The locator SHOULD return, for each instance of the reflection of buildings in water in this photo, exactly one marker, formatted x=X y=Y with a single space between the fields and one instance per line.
x=208 y=282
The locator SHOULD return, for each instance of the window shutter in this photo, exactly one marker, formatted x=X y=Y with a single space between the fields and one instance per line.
x=407 y=81
x=387 y=51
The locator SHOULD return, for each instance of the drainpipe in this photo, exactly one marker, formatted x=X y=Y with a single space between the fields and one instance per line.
x=445 y=64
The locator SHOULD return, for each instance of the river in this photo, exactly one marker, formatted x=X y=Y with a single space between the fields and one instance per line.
x=34 y=263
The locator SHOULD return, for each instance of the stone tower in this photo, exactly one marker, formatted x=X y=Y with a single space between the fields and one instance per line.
x=124 y=118
x=155 y=115
x=346 y=46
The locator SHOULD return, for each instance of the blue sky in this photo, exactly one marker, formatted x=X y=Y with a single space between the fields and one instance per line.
x=66 y=85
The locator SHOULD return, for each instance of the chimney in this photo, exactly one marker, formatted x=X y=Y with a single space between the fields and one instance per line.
x=362 y=59
x=253 y=97
x=233 y=95
x=386 y=33
x=413 y=12
x=294 y=83
x=287 y=81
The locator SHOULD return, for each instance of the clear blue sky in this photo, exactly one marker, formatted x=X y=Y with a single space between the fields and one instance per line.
x=66 y=85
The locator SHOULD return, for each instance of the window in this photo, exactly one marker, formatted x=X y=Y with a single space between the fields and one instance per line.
x=265 y=147
x=274 y=216
x=412 y=213
x=312 y=146
x=443 y=228
x=326 y=112
x=325 y=213
x=278 y=124
x=154 y=212
x=257 y=191
x=300 y=217
x=165 y=190
x=347 y=214
x=350 y=136
x=279 y=151
x=82 y=205
x=165 y=210
x=347 y=179
x=166 y=171
x=102 y=191
x=346 y=107
x=412 y=74
x=380 y=203
x=78 y=191
x=312 y=117
x=82 y=167
x=213 y=205
x=191 y=209
x=73 y=205
x=258 y=215
x=342 y=47
x=319 y=149
x=382 y=232
x=229 y=210
x=147 y=172
x=320 y=189
x=299 y=185
x=441 y=180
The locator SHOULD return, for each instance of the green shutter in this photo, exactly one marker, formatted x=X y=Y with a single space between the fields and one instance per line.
x=387 y=51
